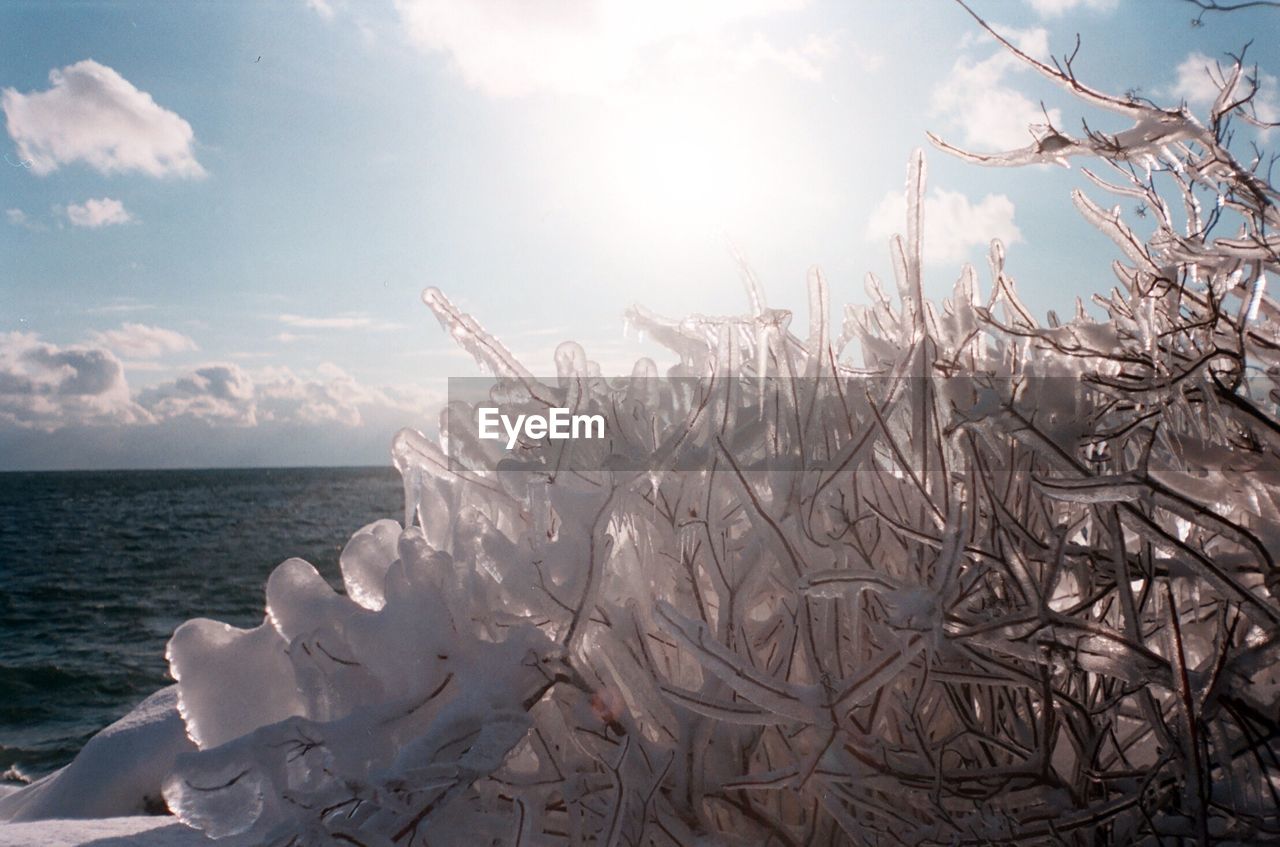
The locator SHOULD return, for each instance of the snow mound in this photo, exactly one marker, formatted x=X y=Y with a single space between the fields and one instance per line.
x=118 y=773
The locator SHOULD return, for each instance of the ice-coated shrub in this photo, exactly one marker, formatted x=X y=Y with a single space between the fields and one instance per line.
x=1027 y=595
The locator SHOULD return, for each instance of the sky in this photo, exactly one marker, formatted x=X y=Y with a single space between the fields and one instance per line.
x=216 y=219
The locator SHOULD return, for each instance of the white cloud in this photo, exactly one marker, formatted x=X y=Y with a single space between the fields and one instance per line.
x=1058 y=8
x=226 y=393
x=44 y=386
x=506 y=48
x=139 y=341
x=323 y=8
x=726 y=55
x=1266 y=104
x=332 y=396
x=221 y=393
x=363 y=18
x=71 y=406
x=976 y=99
x=347 y=321
x=125 y=305
x=98 y=213
x=92 y=114
x=1198 y=84
x=1195 y=84
x=19 y=218
x=953 y=225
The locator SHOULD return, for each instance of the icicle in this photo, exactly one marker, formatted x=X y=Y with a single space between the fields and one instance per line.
x=1255 y=299
x=763 y=333
x=819 y=322
x=755 y=292
x=1146 y=326
x=483 y=347
x=917 y=179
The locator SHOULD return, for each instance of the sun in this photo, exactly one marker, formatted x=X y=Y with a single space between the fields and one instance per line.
x=684 y=162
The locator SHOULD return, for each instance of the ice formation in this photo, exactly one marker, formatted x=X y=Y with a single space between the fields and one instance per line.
x=1029 y=595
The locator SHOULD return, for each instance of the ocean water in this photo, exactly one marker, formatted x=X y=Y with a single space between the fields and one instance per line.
x=97 y=568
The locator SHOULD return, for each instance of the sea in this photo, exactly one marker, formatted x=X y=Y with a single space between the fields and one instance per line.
x=98 y=568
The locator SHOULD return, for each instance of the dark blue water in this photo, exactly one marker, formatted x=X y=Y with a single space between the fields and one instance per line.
x=97 y=568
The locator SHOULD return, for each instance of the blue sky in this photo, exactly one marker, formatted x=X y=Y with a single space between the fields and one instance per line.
x=218 y=218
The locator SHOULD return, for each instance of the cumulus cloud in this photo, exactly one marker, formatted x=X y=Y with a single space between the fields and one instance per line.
x=140 y=341
x=1058 y=8
x=222 y=393
x=98 y=213
x=70 y=406
x=1198 y=83
x=1195 y=82
x=47 y=388
x=44 y=386
x=953 y=224
x=91 y=114
x=333 y=395
x=508 y=48
x=228 y=394
x=976 y=98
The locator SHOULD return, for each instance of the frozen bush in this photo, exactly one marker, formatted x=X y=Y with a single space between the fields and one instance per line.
x=1028 y=595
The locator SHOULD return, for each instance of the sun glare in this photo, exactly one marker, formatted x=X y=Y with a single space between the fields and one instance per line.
x=686 y=163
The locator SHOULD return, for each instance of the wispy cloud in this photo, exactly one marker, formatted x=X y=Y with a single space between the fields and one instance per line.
x=96 y=213
x=346 y=321
x=323 y=8
x=976 y=98
x=1058 y=8
x=953 y=225
x=123 y=307
x=92 y=114
x=19 y=218
x=139 y=341
x=732 y=54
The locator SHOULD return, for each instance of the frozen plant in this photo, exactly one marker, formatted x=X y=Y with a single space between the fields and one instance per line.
x=1021 y=587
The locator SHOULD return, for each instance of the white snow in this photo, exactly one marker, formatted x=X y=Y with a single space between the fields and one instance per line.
x=119 y=772
x=148 y=831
